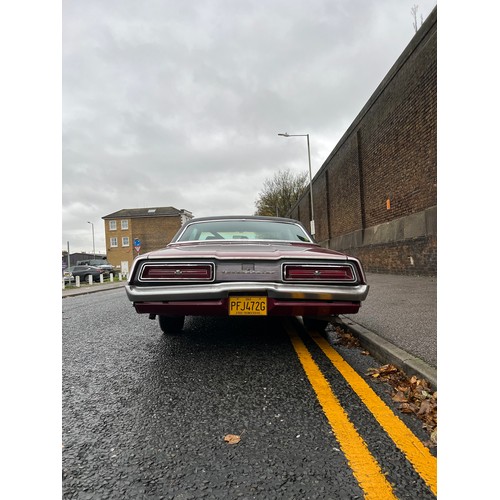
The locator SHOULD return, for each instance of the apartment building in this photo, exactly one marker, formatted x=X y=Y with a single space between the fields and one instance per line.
x=152 y=228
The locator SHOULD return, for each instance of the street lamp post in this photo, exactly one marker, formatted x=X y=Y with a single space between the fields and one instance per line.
x=313 y=229
x=93 y=240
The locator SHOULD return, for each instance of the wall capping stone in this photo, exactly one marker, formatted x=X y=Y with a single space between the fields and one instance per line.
x=418 y=225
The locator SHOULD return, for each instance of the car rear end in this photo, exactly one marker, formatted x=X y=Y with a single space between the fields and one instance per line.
x=224 y=284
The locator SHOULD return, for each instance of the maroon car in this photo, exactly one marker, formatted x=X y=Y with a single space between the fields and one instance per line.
x=244 y=266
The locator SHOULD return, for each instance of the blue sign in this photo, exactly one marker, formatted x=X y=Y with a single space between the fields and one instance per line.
x=137 y=242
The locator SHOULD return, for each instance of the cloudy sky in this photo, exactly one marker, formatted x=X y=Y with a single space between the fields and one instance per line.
x=179 y=103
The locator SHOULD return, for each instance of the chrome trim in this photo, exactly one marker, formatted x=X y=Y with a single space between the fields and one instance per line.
x=222 y=290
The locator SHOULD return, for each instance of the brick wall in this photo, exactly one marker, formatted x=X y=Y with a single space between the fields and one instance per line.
x=376 y=194
x=153 y=233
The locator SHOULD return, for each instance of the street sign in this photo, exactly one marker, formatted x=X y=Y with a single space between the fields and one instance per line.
x=137 y=244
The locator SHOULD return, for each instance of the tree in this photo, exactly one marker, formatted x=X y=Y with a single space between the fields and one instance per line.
x=414 y=11
x=280 y=193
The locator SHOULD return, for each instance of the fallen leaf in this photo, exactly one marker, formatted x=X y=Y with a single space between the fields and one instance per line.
x=388 y=369
x=434 y=435
x=400 y=397
x=232 y=439
x=406 y=408
x=425 y=407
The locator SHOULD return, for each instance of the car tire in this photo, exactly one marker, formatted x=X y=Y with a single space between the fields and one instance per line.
x=171 y=324
x=315 y=323
x=87 y=278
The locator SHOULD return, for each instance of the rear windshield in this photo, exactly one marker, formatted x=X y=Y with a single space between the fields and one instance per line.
x=243 y=230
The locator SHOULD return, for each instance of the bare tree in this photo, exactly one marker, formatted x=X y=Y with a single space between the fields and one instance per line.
x=414 y=11
x=280 y=193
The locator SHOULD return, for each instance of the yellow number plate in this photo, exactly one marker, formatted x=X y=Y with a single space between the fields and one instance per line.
x=247 y=306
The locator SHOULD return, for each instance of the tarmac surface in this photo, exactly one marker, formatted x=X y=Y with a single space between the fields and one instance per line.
x=397 y=323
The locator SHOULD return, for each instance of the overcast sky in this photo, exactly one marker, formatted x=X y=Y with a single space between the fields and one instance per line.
x=179 y=103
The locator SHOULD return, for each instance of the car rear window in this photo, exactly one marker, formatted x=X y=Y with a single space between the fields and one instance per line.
x=243 y=230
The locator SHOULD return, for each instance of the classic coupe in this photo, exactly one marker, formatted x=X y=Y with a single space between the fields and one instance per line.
x=244 y=266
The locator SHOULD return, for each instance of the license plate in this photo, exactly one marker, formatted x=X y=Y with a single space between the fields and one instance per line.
x=247 y=306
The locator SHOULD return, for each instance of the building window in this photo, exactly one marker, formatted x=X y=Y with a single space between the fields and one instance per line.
x=124 y=224
x=112 y=225
x=113 y=242
x=125 y=241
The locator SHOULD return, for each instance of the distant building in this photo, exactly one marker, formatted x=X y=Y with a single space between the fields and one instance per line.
x=152 y=227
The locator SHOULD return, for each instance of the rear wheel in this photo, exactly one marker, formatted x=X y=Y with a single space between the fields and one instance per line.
x=317 y=324
x=171 y=324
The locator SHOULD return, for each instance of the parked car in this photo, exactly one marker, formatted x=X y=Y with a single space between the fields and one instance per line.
x=244 y=266
x=84 y=272
x=100 y=263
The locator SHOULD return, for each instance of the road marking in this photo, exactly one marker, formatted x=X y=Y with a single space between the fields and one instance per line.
x=418 y=455
x=365 y=468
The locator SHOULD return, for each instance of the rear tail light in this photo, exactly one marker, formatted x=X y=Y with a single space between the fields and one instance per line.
x=177 y=272
x=297 y=272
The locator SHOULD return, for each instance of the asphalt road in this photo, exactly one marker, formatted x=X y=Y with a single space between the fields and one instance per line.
x=145 y=415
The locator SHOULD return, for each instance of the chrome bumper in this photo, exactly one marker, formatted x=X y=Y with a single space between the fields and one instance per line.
x=215 y=291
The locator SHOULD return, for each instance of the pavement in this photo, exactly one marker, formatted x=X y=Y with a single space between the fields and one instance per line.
x=397 y=323
x=95 y=287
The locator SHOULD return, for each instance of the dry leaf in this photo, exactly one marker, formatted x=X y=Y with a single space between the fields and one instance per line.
x=434 y=435
x=426 y=407
x=400 y=397
x=388 y=369
x=232 y=439
x=406 y=408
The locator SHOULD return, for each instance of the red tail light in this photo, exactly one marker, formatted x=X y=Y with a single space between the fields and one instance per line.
x=177 y=272
x=318 y=273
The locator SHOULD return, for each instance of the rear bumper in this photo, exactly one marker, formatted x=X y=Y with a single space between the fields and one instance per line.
x=282 y=299
x=274 y=308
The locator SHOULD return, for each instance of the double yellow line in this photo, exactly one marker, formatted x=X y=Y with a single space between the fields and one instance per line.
x=365 y=468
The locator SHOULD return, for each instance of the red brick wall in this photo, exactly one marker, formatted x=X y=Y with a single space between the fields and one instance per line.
x=384 y=169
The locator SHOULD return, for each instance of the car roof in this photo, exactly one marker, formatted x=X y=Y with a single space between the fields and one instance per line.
x=242 y=217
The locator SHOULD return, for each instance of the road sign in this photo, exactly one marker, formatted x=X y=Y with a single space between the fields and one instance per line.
x=137 y=244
